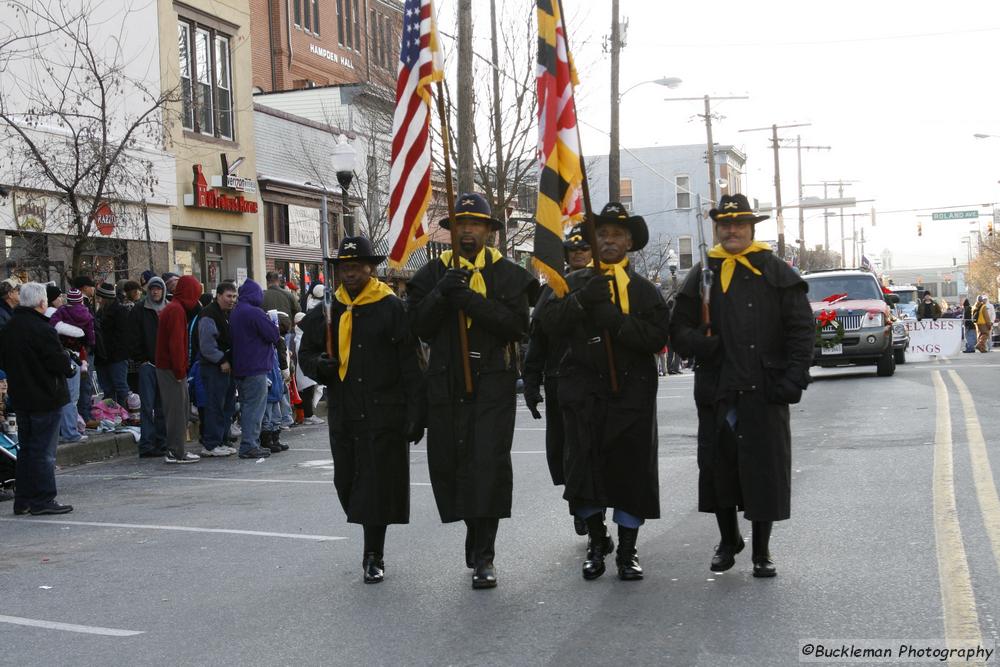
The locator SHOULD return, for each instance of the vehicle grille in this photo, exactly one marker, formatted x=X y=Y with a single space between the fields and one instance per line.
x=849 y=322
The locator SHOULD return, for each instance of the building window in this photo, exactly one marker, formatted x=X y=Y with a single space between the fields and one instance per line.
x=375 y=49
x=387 y=42
x=315 y=16
x=297 y=12
x=686 y=259
x=683 y=185
x=276 y=223
x=625 y=193
x=206 y=81
x=348 y=42
x=357 y=27
x=340 y=21
x=306 y=21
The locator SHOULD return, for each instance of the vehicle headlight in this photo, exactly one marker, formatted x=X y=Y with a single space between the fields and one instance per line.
x=873 y=319
x=898 y=330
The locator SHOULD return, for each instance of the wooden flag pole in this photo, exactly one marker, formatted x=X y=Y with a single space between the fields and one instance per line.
x=589 y=229
x=463 y=328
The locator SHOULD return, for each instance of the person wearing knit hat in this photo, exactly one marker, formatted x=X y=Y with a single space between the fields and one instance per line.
x=110 y=355
x=315 y=297
x=74 y=296
x=144 y=278
x=54 y=295
x=106 y=291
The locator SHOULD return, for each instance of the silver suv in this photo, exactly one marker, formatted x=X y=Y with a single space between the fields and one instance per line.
x=855 y=317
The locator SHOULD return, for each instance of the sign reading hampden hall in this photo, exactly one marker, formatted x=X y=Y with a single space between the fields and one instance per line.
x=214 y=198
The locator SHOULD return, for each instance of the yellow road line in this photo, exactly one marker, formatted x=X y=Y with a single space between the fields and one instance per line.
x=982 y=473
x=961 y=622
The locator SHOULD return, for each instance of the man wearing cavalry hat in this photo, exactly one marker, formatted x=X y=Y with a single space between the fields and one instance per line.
x=752 y=359
x=374 y=396
x=610 y=457
x=469 y=436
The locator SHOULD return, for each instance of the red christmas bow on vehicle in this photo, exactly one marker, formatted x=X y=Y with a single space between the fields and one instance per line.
x=825 y=317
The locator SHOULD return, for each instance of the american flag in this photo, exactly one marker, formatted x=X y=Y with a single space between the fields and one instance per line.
x=410 y=173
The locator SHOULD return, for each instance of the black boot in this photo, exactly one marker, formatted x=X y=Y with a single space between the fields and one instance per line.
x=627 y=558
x=267 y=442
x=763 y=566
x=599 y=545
x=579 y=525
x=484 y=575
x=730 y=540
x=276 y=442
x=470 y=543
x=372 y=564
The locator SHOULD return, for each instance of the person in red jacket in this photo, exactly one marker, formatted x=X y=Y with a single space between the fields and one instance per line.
x=172 y=365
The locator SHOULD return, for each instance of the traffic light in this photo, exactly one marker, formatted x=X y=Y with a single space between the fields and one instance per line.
x=920 y=229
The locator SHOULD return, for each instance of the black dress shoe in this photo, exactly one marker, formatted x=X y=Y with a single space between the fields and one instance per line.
x=153 y=454
x=374 y=568
x=725 y=556
x=597 y=549
x=627 y=558
x=579 y=525
x=50 y=508
x=764 y=568
x=20 y=511
x=484 y=575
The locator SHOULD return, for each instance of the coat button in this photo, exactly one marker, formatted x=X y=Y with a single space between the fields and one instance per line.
x=749 y=305
x=752 y=346
x=359 y=379
x=753 y=386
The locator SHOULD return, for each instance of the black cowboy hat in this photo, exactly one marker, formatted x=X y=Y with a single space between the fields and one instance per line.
x=472 y=205
x=615 y=213
x=575 y=239
x=357 y=249
x=735 y=208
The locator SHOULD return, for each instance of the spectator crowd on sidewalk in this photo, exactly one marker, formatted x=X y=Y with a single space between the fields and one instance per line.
x=156 y=356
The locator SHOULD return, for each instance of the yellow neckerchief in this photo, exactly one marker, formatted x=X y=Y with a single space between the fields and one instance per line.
x=618 y=272
x=374 y=291
x=729 y=261
x=477 y=283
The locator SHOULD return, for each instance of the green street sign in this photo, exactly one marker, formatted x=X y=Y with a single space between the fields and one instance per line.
x=954 y=215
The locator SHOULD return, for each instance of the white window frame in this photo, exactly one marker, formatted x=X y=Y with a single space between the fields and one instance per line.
x=682 y=190
x=681 y=264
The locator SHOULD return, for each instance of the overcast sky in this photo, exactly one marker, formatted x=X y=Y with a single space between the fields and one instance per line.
x=896 y=89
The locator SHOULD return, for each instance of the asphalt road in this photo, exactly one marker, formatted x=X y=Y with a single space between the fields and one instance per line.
x=894 y=536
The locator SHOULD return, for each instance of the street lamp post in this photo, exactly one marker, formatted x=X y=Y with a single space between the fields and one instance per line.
x=672 y=267
x=614 y=155
x=344 y=159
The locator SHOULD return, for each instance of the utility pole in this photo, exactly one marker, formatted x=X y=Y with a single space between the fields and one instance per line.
x=465 y=120
x=500 y=185
x=826 y=212
x=802 y=217
x=614 y=154
x=710 y=151
x=780 y=216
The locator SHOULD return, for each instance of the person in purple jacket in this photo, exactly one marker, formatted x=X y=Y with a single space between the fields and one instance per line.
x=254 y=336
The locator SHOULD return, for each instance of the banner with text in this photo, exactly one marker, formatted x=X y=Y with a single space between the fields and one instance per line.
x=933 y=338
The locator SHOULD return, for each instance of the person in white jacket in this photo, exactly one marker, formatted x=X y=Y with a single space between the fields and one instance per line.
x=315 y=297
x=306 y=386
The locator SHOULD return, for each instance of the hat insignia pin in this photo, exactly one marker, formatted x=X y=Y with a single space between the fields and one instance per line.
x=350 y=246
x=468 y=201
x=730 y=204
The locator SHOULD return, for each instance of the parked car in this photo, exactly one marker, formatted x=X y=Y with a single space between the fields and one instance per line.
x=908 y=298
x=858 y=328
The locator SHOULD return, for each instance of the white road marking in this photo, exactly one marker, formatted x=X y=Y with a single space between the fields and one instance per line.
x=184 y=529
x=516 y=451
x=70 y=627
x=204 y=479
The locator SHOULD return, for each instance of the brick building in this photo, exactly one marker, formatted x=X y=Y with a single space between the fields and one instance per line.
x=307 y=43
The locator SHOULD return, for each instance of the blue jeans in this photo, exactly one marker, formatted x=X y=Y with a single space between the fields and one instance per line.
x=38 y=434
x=253 y=401
x=220 y=405
x=272 y=417
x=86 y=401
x=67 y=426
x=113 y=379
x=152 y=427
x=286 y=408
x=621 y=517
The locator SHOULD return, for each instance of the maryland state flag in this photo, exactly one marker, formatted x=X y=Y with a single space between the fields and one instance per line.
x=560 y=175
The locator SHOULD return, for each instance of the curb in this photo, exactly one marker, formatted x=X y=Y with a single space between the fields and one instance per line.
x=96 y=448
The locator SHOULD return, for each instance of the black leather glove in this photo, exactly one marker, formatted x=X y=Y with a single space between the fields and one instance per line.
x=786 y=391
x=595 y=291
x=532 y=397
x=607 y=316
x=454 y=279
x=414 y=433
x=327 y=369
x=463 y=298
x=705 y=347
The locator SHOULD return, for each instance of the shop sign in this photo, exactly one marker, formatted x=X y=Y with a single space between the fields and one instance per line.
x=303 y=227
x=231 y=180
x=30 y=216
x=205 y=197
x=105 y=219
x=331 y=56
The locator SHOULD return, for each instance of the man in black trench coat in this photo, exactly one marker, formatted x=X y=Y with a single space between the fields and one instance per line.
x=541 y=368
x=469 y=436
x=374 y=393
x=611 y=445
x=751 y=361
